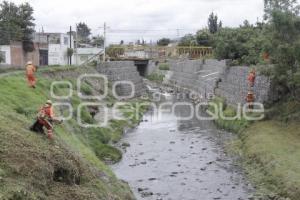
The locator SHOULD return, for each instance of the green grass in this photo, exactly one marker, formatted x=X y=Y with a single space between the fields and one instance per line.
x=271 y=152
x=237 y=125
x=28 y=159
x=269 y=149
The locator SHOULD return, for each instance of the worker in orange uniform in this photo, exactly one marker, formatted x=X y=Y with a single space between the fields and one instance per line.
x=45 y=119
x=30 y=70
x=250 y=99
x=251 y=78
x=266 y=56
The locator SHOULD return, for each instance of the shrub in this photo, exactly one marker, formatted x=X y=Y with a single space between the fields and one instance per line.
x=99 y=135
x=86 y=116
x=108 y=153
x=86 y=89
x=164 y=66
x=156 y=77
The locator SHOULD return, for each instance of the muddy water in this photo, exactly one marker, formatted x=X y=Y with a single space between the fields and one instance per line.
x=171 y=159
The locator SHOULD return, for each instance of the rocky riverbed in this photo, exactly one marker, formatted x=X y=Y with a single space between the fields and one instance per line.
x=170 y=159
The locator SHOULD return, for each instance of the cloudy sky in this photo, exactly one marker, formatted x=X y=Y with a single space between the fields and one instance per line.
x=141 y=19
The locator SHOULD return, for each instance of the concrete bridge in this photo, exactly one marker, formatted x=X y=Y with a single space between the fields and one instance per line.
x=143 y=52
x=144 y=56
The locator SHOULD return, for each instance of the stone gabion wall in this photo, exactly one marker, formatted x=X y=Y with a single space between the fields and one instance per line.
x=228 y=82
x=192 y=74
x=234 y=86
x=123 y=71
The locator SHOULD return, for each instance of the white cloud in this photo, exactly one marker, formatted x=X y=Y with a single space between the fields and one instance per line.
x=164 y=15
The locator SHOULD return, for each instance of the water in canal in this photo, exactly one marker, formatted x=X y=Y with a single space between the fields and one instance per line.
x=171 y=159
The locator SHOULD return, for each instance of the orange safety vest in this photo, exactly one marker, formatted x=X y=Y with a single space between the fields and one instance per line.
x=251 y=77
x=30 y=69
x=250 y=98
x=46 y=112
x=265 y=56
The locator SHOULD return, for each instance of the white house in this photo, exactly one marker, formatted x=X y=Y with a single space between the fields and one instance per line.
x=83 y=55
x=58 y=46
x=5 y=53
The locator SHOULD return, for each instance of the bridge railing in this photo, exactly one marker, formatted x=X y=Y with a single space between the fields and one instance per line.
x=157 y=52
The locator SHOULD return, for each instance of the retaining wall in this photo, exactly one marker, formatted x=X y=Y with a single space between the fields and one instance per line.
x=234 y=86
x=213 y=77
x=123 y=71
x=197 y=75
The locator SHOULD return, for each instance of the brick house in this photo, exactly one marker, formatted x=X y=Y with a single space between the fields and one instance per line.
x=15 y=56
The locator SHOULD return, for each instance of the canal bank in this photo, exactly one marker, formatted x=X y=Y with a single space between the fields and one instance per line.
x=269 y=149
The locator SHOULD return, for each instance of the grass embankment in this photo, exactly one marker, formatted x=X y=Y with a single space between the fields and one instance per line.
x=73 y=166
x=270 y=149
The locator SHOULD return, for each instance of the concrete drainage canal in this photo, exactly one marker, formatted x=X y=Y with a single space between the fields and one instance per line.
x=169 y=159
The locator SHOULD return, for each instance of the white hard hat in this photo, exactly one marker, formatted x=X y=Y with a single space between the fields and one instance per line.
x=49 y=102
x=29 y=63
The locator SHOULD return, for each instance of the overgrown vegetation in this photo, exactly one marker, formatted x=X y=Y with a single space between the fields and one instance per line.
x=31 y=167
x=269 y=149
x=163 y=42
x=164 y=66
x=156 y=77
x=237 y=125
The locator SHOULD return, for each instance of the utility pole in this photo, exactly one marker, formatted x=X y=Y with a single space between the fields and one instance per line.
x=104 y=42
x=178 y=32
x=76 y=46
x=70 y=44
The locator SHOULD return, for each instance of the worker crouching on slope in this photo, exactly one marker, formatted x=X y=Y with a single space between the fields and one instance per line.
x=30 y=70
x=45 y=119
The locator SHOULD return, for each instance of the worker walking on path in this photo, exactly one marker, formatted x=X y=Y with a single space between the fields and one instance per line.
x=45 y=119
x=30 y=70
x=250 y=100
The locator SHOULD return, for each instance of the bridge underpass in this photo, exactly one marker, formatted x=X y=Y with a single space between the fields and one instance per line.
x=142 y=67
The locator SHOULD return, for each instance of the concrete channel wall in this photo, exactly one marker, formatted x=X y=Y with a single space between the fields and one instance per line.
x=212 y=77
x=123 y=71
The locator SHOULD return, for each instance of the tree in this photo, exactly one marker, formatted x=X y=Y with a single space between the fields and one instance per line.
x=213 y=24
x=16 y=22
x=163 y=42
x=246 y=24
x=244 y=45
x=204 y=38
x=97 y=41
x=284 y=34
x=285 y=6
x=83 y=32
x=188 y=40
x=26 y=21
